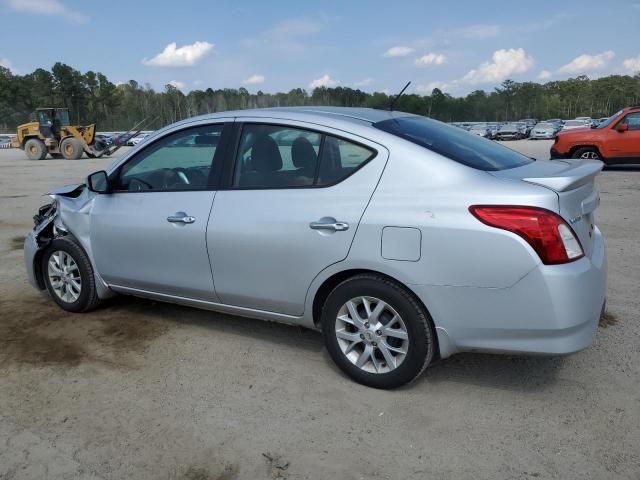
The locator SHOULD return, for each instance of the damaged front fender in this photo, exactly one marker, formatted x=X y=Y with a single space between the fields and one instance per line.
x=68 y=214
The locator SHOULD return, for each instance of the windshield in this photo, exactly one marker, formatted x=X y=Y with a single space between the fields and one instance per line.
x=544 y=125
x=608 y=121
x=470 y=150
x=63 y=117
x=574 y=123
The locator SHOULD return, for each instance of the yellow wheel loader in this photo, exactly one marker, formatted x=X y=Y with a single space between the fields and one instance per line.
x=52 y=134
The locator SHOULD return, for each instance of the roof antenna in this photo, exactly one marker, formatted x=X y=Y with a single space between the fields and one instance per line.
x=393 y=102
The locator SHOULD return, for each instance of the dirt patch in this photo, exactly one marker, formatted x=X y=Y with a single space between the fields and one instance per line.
x=229 y=472
x=35 y=331
x=607 y=319
x=13 y=196
x=17 y=243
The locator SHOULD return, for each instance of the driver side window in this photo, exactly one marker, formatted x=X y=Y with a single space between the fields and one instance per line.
x=633 y=120
x=179 y=161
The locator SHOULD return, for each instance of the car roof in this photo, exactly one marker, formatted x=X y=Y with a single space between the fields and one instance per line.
x=354 y=114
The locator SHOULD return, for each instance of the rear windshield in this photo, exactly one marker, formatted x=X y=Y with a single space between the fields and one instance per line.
x=454 y=143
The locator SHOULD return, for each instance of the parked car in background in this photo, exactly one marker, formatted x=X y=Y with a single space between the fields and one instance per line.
x=544 y=130
x=487 y=254
x=139 y=138
x=480 y=129
x=529 y=122
x=614 y=141
x=524 y=128
x=493 y=129
x=585 y=120
x=5 y=139
x=510 y=131
x=574 y=124
x=554 y=120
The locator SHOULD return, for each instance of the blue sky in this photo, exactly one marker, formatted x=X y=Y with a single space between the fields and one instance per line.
x=273 y=45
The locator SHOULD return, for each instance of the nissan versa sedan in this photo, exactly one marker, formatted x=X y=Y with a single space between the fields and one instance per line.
x=401 y=238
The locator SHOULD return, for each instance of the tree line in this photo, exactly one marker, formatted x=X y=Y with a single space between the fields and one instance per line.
x=92 y=97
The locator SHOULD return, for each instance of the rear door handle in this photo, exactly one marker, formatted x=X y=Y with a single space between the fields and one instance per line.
x=181 y=217
x=329 y=224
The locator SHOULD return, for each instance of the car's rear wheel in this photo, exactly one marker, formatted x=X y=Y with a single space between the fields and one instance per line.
x=587 y=153
x=377 y=332
x=68 y=276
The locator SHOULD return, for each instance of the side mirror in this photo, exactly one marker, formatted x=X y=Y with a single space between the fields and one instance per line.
x=99 y=182
x=622 y=127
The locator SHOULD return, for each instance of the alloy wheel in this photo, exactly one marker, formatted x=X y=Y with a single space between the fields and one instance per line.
x=590 y=155
x=372 y=335
x=64 y=276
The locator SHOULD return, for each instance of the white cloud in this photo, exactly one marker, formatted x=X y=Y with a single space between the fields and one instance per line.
x=198 y=82
x=587 y=63
x=503 y=64
x=48 y=7
x=295 y=27
x=363 y=83
x=254 y=79
x=323 y=81
x=428 y=87
x=6 y=63
x=478 y=32
x=632 y=64
x=399 y=51
x=186 y=56
x=544 y=75
x=175 y=83
x=431 y=59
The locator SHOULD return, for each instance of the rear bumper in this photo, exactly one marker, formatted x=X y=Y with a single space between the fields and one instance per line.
x=554 y=309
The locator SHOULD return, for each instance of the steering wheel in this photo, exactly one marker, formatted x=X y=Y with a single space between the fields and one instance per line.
x=138 y=184
x=173 y=177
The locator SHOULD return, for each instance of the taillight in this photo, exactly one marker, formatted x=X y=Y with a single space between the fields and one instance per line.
x=547 y=233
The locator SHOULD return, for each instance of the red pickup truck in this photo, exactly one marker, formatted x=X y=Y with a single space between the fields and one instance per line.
x=614 y=141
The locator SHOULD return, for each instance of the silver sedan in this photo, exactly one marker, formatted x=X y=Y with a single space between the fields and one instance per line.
x=401 y=238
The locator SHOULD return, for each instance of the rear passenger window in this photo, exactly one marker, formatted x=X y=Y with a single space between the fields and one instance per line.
x=271 y=156
x=276 y=157
x=339 y=159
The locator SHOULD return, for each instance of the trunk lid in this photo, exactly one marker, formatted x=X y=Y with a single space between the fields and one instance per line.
x=573 y=181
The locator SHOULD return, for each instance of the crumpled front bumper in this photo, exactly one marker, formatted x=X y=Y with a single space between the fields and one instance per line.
x=31 y=249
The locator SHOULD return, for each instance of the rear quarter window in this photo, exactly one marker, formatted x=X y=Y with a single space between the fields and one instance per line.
x=454 y=143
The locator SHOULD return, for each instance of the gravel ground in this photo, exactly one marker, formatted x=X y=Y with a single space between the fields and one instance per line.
x=144 y=390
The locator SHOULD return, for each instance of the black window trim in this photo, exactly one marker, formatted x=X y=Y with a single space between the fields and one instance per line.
x=214 y=180
x=227 y=177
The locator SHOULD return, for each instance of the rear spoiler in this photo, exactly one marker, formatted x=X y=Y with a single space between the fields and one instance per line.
x=579 y=173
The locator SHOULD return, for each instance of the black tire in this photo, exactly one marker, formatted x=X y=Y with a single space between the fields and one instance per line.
x=35 y=149
x=88 y=297
x=589 y=153
x=418 y=323
x=71 y=148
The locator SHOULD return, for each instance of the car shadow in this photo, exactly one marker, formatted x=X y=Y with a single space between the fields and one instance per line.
x=621 y=168
x=496 y=371
x=507 y=372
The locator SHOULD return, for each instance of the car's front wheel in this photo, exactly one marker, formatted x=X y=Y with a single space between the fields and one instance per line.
x=68 y=276
x=377 y=332
x=587 y=153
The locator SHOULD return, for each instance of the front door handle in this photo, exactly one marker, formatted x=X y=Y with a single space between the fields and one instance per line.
x=181 y=217
x=329 y=224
